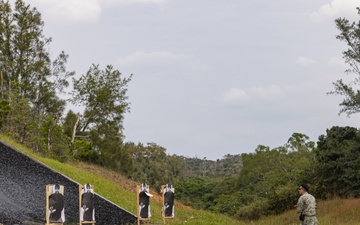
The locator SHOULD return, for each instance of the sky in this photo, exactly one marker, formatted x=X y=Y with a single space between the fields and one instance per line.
x=210 y=77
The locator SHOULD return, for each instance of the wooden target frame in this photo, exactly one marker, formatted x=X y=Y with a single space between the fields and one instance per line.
x=163 y=190
x=81 y=191
x=49 y=191
x=138 y=190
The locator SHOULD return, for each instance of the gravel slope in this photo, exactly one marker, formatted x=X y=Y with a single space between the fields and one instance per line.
x=22 y=193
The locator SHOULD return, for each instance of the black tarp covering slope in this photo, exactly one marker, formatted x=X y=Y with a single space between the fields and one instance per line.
x=23 y=194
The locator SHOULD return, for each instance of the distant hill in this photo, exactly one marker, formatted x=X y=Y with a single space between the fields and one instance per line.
x=229 y=165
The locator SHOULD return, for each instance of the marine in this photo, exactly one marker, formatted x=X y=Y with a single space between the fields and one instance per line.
x=306 y=206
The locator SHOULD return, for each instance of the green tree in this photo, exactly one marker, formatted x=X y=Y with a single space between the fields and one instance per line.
x=103 y=95
x=272 y=175
x=4 y=111
x=6 y=45
x=107 y=141
x=71 y=124
x=23 y=123
x=55 y=143
x=126 y=163
x=350 y=34
x=176 y=167
x=195 y=192
x=27 y=75
x=338 y=162
x=151 y=165
x=31 y=60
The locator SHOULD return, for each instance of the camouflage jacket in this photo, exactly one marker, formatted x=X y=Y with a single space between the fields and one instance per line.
x=306 y=204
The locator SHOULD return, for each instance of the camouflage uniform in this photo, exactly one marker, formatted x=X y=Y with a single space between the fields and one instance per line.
x=307 y=205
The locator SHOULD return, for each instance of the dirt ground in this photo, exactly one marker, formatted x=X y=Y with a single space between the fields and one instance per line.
x=122 y=181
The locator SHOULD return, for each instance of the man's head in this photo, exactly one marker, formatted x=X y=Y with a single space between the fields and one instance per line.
x=303 y=189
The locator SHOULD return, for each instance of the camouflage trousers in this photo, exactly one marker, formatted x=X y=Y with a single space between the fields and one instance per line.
x=309 y=220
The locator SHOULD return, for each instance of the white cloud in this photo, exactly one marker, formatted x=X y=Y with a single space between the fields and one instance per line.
x=140 y=57
x=334 y=9
x=68 y=11
x=303 y=61
x=161 y=61
x=237 y=95
x=266 y=92
x=112 y=3
x=234 y=95
x=79 y=11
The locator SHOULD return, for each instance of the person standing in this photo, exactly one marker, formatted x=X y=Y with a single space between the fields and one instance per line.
x=306 y=206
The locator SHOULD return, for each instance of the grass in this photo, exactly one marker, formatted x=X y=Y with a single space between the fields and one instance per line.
x=330 y=212
x=122 y=192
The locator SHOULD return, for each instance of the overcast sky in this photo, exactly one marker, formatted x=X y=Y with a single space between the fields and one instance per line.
x=212 y=77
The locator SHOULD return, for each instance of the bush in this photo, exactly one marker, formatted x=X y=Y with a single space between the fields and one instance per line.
x=254 y=210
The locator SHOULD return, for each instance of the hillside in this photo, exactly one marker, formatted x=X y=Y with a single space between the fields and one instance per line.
x=115 y=188
x=121 y=191
x=229 y=165
x=331 y=212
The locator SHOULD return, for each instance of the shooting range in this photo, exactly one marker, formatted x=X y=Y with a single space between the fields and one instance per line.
x=23 y=195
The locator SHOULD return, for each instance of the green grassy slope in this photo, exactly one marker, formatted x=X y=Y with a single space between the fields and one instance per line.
x=332 y=212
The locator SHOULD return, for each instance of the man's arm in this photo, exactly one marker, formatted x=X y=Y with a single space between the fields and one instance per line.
x=300 y=205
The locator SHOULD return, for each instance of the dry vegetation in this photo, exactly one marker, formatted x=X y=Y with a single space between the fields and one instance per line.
x=121 y=180
x=331 y=212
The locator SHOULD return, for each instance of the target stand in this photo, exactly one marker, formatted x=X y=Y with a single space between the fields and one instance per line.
x=143 y=203
x=168 y=200
x=86 y=204
x=55 y=213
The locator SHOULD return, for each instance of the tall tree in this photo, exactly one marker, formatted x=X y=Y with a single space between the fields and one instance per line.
x=47 y=103
x=6 y=49
x=28 y=78
x=31 y=61
x=350 y=34
x=103 y=94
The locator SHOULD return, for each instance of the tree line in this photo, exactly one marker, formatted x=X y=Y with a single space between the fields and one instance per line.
x=243 y=186
x=269 y=178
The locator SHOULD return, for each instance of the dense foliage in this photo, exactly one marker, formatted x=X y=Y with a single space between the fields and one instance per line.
x=268 y=180
x=243 y=186
x=265 y=185
x=338 y=163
